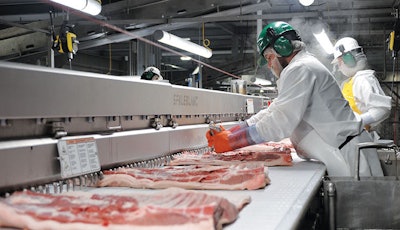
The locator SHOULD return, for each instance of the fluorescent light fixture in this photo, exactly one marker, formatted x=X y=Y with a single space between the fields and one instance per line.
x=256 y=80
x=173 y=66
x=180 y=43
x=324 y=41
x=92 y=7
x=306 y=2
x=196 y=71
x=260 y=81
x=186 y=58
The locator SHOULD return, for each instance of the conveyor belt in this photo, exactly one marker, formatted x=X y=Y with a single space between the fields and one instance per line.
x=281 y=205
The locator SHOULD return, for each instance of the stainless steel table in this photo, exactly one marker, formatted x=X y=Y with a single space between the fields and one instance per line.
x=283 y=203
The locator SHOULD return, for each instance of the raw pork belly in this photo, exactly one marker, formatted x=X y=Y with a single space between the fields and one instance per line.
x=271 y=156
x=285 y=143
x=251 y=175
x=168 y=209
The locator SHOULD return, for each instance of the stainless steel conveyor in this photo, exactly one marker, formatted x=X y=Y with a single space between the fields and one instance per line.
x=280 y=205
x=39 y=107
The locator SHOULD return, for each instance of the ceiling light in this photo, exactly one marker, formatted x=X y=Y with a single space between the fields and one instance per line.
x=324 y=41
x=173 y=66
x=186 y=58
x=92 y=7
x=180 y=43
x=196 y=70
x=260 y=81
x=256 y=80
x=306 y=2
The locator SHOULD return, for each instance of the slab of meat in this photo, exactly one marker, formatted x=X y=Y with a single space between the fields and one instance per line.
x=252 y=175
x=285 y=143
x=270 y=156
x=167 y=209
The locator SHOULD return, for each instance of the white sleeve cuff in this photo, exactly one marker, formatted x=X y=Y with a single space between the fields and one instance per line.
x=250 y=122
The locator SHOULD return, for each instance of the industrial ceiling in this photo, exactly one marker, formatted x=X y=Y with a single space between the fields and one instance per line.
x=120 y=40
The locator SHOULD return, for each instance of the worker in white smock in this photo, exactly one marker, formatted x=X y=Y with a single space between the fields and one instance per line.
x=151 y=73
x=309 y=109
x=361 y=88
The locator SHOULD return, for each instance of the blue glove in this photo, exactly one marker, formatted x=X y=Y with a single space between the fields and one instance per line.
x=238 y=127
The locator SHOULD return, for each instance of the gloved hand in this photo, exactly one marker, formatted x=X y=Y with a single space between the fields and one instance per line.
x=225 y=140
x=210 y=138
x=210 y=135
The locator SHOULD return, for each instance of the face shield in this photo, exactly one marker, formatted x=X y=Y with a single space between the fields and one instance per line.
x=344 y=46
x=349 y=57
x=352 y=62
x=272 y=61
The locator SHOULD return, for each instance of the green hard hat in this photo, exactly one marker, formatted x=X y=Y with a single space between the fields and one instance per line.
x=279 y=35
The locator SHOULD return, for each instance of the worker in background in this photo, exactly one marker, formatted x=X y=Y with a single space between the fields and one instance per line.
x=151 y=73
x=309 y=109
x=361 y=88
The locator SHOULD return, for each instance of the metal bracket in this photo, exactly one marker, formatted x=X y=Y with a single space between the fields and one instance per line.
x=388 y=144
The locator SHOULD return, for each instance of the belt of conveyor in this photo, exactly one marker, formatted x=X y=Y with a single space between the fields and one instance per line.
x=280 y=205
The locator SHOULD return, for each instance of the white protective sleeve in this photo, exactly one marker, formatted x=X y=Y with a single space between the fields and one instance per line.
x=370 y=99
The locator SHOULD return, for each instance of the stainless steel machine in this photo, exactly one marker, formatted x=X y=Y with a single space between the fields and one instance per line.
x=133 y=123
x=131 y=120
x=365 y=202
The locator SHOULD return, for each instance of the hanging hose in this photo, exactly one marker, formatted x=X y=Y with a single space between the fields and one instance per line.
x=109 y=59
x=397 y=100
x=391 y=95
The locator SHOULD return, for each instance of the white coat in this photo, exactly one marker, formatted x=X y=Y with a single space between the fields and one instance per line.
x=369 y=97
x=311 y=110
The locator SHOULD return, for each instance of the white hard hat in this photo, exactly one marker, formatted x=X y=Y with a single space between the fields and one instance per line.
x=149 y=73
x=344 y=45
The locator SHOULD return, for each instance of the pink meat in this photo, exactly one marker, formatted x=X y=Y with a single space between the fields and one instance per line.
x=271 y=156
x=168 y=209
x=251 y=175
x=285 y=143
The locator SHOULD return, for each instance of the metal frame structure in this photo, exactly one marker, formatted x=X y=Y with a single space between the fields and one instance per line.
x=131 y=120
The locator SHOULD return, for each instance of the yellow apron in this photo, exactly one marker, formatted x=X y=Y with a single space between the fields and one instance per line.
x=347 y=92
